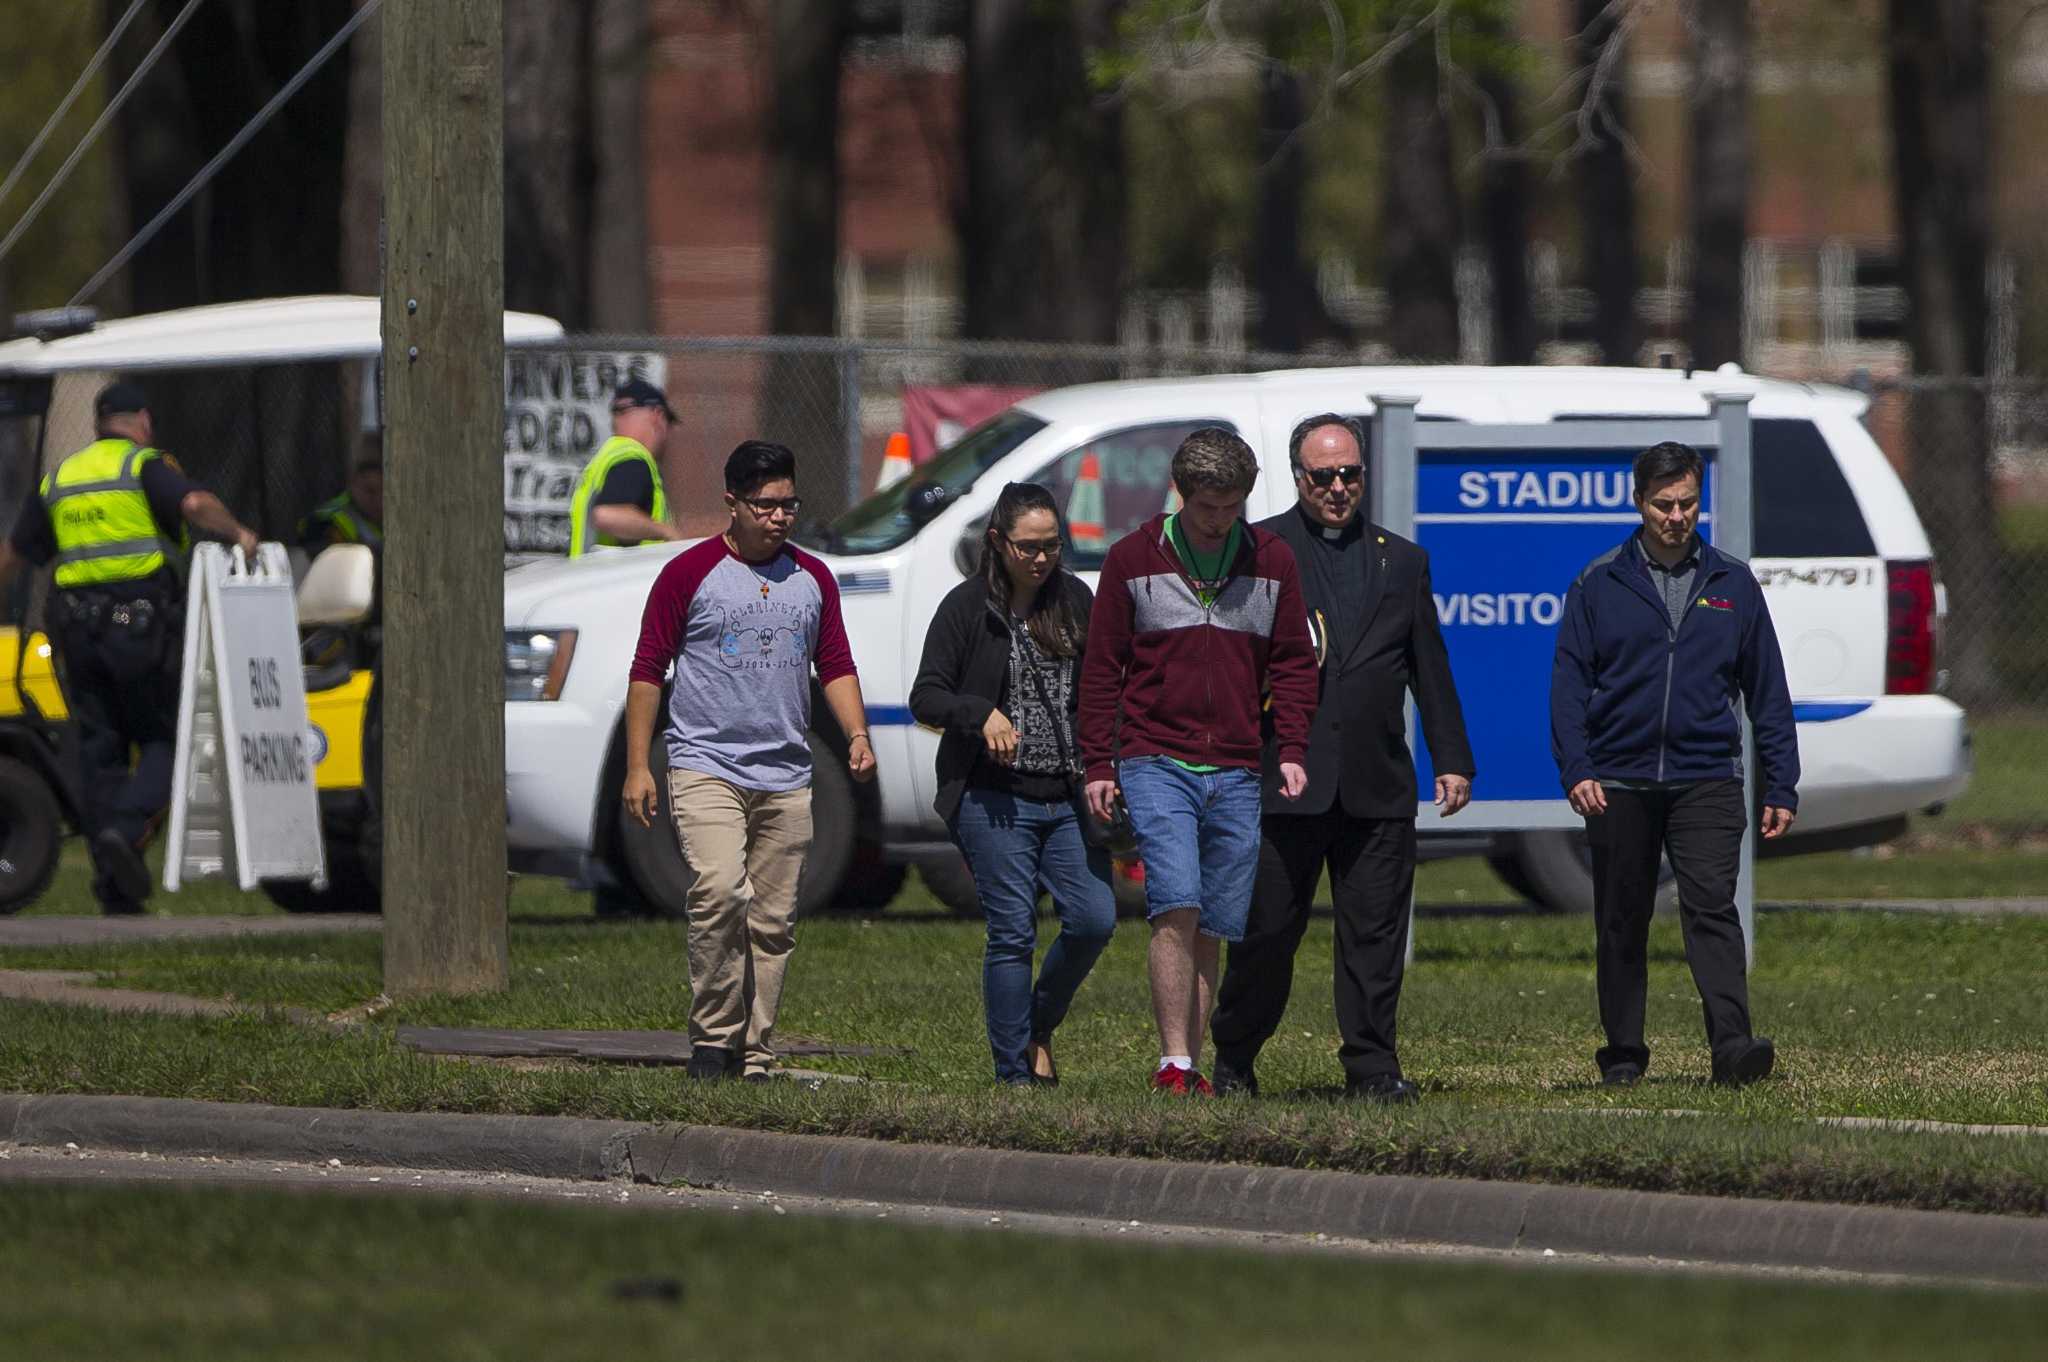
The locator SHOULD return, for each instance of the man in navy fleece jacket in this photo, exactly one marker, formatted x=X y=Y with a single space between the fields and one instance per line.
x=1660 y=637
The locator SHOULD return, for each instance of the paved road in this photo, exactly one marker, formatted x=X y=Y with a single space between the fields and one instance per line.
x=23 y=1165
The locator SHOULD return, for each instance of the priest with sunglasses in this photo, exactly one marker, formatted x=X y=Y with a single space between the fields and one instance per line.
x=1374 y=621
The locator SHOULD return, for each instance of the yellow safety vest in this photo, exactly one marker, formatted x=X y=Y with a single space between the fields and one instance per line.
x=584 y=536
x=354 y=526
x=102 y=522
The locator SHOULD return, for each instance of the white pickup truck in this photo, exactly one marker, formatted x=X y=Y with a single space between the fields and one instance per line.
x=1843 y=557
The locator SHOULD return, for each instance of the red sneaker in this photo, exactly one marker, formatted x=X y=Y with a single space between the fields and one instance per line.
x=1174 y=1079
x=1199 y=1086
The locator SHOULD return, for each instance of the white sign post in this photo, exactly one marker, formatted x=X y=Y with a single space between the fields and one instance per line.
x=243 y=802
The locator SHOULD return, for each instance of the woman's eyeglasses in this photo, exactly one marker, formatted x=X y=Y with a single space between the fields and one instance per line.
x=1028 y=549
x=1352 y=473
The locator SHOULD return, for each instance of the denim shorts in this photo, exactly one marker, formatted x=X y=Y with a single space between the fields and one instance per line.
x=1199 y=835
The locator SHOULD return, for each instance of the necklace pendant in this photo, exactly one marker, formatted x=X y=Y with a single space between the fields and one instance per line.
x=764 y=591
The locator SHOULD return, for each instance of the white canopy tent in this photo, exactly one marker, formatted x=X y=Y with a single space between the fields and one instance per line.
x=262 y=331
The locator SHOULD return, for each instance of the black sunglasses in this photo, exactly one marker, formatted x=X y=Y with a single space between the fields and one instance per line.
x=1352 y=473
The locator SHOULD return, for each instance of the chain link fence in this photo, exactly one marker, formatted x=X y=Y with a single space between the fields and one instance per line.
x=277 y=440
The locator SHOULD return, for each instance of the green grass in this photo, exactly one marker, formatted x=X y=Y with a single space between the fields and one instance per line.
x=2010 y=785
x=1898 y=1016
x=96 y=1272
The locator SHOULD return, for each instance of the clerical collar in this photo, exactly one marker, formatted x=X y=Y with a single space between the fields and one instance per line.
x=1350 y=529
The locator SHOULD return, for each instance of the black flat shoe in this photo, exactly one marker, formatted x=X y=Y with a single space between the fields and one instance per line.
x=709 y=1063
x=1050 y=1079
x=1386 y=1089
x=1623 y=1075
x=1231 y=1076
x=1740 y=1065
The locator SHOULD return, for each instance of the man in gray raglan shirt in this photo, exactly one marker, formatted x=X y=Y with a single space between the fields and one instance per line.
x=742 y=618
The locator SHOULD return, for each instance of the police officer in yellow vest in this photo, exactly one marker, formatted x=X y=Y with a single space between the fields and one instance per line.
x=113 y=517
x=354 y=517
x=620 y=501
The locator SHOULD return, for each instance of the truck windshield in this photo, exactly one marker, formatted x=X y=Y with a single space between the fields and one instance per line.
x=884 y=520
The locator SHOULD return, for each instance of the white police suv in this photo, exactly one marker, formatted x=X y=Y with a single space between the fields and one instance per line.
x=1838 y=548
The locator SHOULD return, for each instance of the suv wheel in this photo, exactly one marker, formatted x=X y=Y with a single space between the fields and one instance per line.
x=31 y=834
x=654 y=863
x=1555 y=871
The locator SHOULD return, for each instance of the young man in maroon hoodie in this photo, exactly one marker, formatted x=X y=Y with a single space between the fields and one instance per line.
x=1198 y=620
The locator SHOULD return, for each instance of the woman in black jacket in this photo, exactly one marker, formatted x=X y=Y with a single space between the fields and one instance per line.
x=999 y=680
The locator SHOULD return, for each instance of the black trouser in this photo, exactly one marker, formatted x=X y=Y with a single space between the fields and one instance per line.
x=121 y=647
x=1700 y=828
x=1372 y=879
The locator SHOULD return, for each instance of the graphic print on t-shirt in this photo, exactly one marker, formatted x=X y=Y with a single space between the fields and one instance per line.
x=767 y=635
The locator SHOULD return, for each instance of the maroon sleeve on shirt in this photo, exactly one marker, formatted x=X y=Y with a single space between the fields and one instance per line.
x=1102 y=668
x=1291 y=660
x=668 y=609
x=832 y=656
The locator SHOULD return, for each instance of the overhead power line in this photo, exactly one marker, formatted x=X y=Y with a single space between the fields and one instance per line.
x=223 y=156
x=99 y=125
x=92 y=68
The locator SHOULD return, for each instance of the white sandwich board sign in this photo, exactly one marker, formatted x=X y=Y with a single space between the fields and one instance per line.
x=243 y=802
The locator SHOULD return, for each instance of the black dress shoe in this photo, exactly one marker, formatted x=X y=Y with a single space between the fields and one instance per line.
x=1385 y=1089
x=122 y=866
x=1232 y=1076
x=1742 y=1064
x=1623 y=1075
x=710 y=1062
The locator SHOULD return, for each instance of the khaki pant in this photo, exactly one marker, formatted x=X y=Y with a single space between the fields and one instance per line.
x=745 y=850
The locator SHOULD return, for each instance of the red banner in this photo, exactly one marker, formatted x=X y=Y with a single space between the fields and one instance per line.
x=934 y=417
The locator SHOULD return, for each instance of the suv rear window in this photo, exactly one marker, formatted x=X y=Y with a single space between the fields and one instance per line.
x=1804 y=508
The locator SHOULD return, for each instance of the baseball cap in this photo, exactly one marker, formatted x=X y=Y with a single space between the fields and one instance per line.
x=117 y=398
x=638 y=392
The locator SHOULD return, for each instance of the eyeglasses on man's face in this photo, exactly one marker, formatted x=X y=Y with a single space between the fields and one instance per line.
x=1032 y=549
x=1353 y=474
x=767 y=506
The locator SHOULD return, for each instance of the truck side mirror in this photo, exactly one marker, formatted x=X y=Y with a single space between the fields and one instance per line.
x=340 y=586
x=967 y=553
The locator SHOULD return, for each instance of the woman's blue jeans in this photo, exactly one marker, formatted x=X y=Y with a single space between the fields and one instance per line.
x=1014 y=847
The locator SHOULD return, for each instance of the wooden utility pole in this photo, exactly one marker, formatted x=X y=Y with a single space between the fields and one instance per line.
x=444 y=398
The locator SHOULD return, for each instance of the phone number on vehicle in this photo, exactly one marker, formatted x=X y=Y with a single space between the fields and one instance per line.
x=1852 y=574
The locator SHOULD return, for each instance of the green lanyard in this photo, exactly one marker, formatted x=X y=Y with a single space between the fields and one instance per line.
x=1208 y=583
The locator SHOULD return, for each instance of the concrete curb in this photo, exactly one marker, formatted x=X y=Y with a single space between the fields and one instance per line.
x=1493 y=1215
x=529 y=1146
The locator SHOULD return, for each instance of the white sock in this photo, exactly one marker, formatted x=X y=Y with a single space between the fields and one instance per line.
x=1177 y=1061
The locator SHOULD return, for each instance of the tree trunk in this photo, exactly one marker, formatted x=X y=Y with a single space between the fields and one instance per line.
x=803 y=190
x=362 y=235
x=550 y=171
x=1940 y=102
x=362 y=176
x=1504 y=209
x=1607 y=195
x=619 y=279
x=1717 y=98
x=1419 y=228
x=269 y=224
x=1291 y=311
x=1043 y=230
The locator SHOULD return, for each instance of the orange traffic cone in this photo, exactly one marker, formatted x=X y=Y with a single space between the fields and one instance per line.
x=895 y=461
x=1085 y=509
